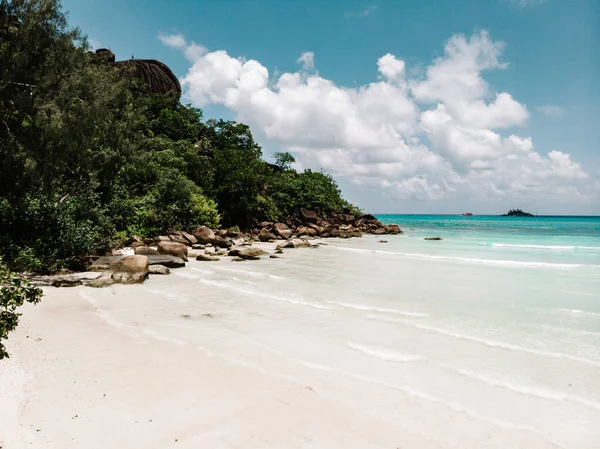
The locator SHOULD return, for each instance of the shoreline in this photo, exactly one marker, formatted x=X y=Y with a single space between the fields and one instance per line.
x=253 y=355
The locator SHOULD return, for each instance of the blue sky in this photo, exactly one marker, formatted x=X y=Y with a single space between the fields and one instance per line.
x=432 y=135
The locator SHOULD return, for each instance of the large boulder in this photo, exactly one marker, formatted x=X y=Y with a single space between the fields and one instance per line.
x=102 y=263
x=282 y=230
x=128 y=270
x=145 y=251
x=206 y=258
x=166 y=260
x=174 y=249
x=203 y=234
x=158 y=269
x=250 y=253
x=294 y=243
x=308 y=216
x=393 y=229
x=264 y=235
x=222 y=242
x=302 y=230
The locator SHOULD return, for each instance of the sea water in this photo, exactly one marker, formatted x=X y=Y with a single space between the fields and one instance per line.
x=487 y=338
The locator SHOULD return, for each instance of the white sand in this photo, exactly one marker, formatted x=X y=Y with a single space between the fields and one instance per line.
x=324 y=348
x=75 y=381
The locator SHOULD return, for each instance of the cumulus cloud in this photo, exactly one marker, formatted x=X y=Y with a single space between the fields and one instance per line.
x=549 y=109
x=446 y=133
x=173 y=40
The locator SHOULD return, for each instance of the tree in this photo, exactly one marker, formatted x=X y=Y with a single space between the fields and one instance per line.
x=284 y=160
x=14 y=292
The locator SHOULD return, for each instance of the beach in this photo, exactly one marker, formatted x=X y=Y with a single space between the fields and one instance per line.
x=468 y=342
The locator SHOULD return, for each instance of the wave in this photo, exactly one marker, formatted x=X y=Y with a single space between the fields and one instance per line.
x=530 y=390
x=487 y=342
x=377 y=309
x=550 y=247
x=250 y=273
x=386 y=355
x=579 y=312
x=472 y=260
x=298 y=302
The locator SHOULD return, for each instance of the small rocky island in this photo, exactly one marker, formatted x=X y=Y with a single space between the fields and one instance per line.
x=517 y=213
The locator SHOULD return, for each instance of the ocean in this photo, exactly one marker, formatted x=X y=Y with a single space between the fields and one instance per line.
x=489 y=338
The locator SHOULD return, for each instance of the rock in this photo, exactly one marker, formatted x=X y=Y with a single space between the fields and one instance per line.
x=166 y=260
x=238 y=259
x=102 y=263
x=203 y=234
x=206 y=258
x=265 y=235
x=150 y=242
x=393 y=229
x=163 y=238
x=368 y=217
x=137 y=244
x=382 y=241
x=135 y=238
x=302 y=230
x=282 y=230
x=279 y=251
x=193 y=253
x=145 y=251
x=189 y=237
x=312 y=232
x=265 y=224
x=128 y=270
x=174 y=249
x=294 y=243
x=210 y=250
x=158 y=269
x=198 y=246
x=308 y=216
x=274 y=256
x=379 y=231
x=67 y=282
x=347 y=218
x=433 y=238
x=222 y=232
x=251 y=253
x=222 y=242
x=178 y=238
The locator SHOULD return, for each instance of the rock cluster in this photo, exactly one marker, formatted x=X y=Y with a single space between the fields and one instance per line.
x=343 y=224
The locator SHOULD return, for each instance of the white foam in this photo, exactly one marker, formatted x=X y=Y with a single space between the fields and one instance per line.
x=551 y=247
x=295 y=301
x=486 y=342
x=526 y=389
x=377 y=309
x=472 y=260
x=250 y=273
x=386 y=355
x=578 y=312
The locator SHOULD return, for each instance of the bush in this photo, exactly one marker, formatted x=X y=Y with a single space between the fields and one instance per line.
x=14 y=291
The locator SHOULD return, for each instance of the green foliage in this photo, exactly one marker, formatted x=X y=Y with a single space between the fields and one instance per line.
x=284 y=160
x=14 y=292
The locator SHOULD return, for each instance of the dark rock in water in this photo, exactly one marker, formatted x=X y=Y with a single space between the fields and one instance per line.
x=517 y=213
x=294 y=243
x=145 y=251
x=308 y=216
x=273 y=256
x=128 y=270
x=158 y=269
x=206 y=258
x=238 y=259
x=174 y=249
x=393 y=229
x=433 y=238
x=166 y=260
x=382 y=241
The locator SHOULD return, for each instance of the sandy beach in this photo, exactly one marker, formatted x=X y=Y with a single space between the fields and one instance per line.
x=349 y=345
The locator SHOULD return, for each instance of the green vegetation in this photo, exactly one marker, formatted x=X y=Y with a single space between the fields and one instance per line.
x=14 y=291
x=89 y=157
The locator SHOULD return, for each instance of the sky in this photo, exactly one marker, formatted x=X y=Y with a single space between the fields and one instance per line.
x=415 y=106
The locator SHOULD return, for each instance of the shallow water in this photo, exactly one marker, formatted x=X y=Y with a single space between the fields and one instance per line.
x=489 y=338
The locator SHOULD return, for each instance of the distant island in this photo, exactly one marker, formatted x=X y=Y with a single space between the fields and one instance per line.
x=517 y=213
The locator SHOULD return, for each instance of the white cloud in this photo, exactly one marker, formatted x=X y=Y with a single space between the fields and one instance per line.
x=549 y=109
x=94 y=44
x=526 y=3
x=433 y=137
x=365 y=12
x=173 y=40
x=307 y=59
